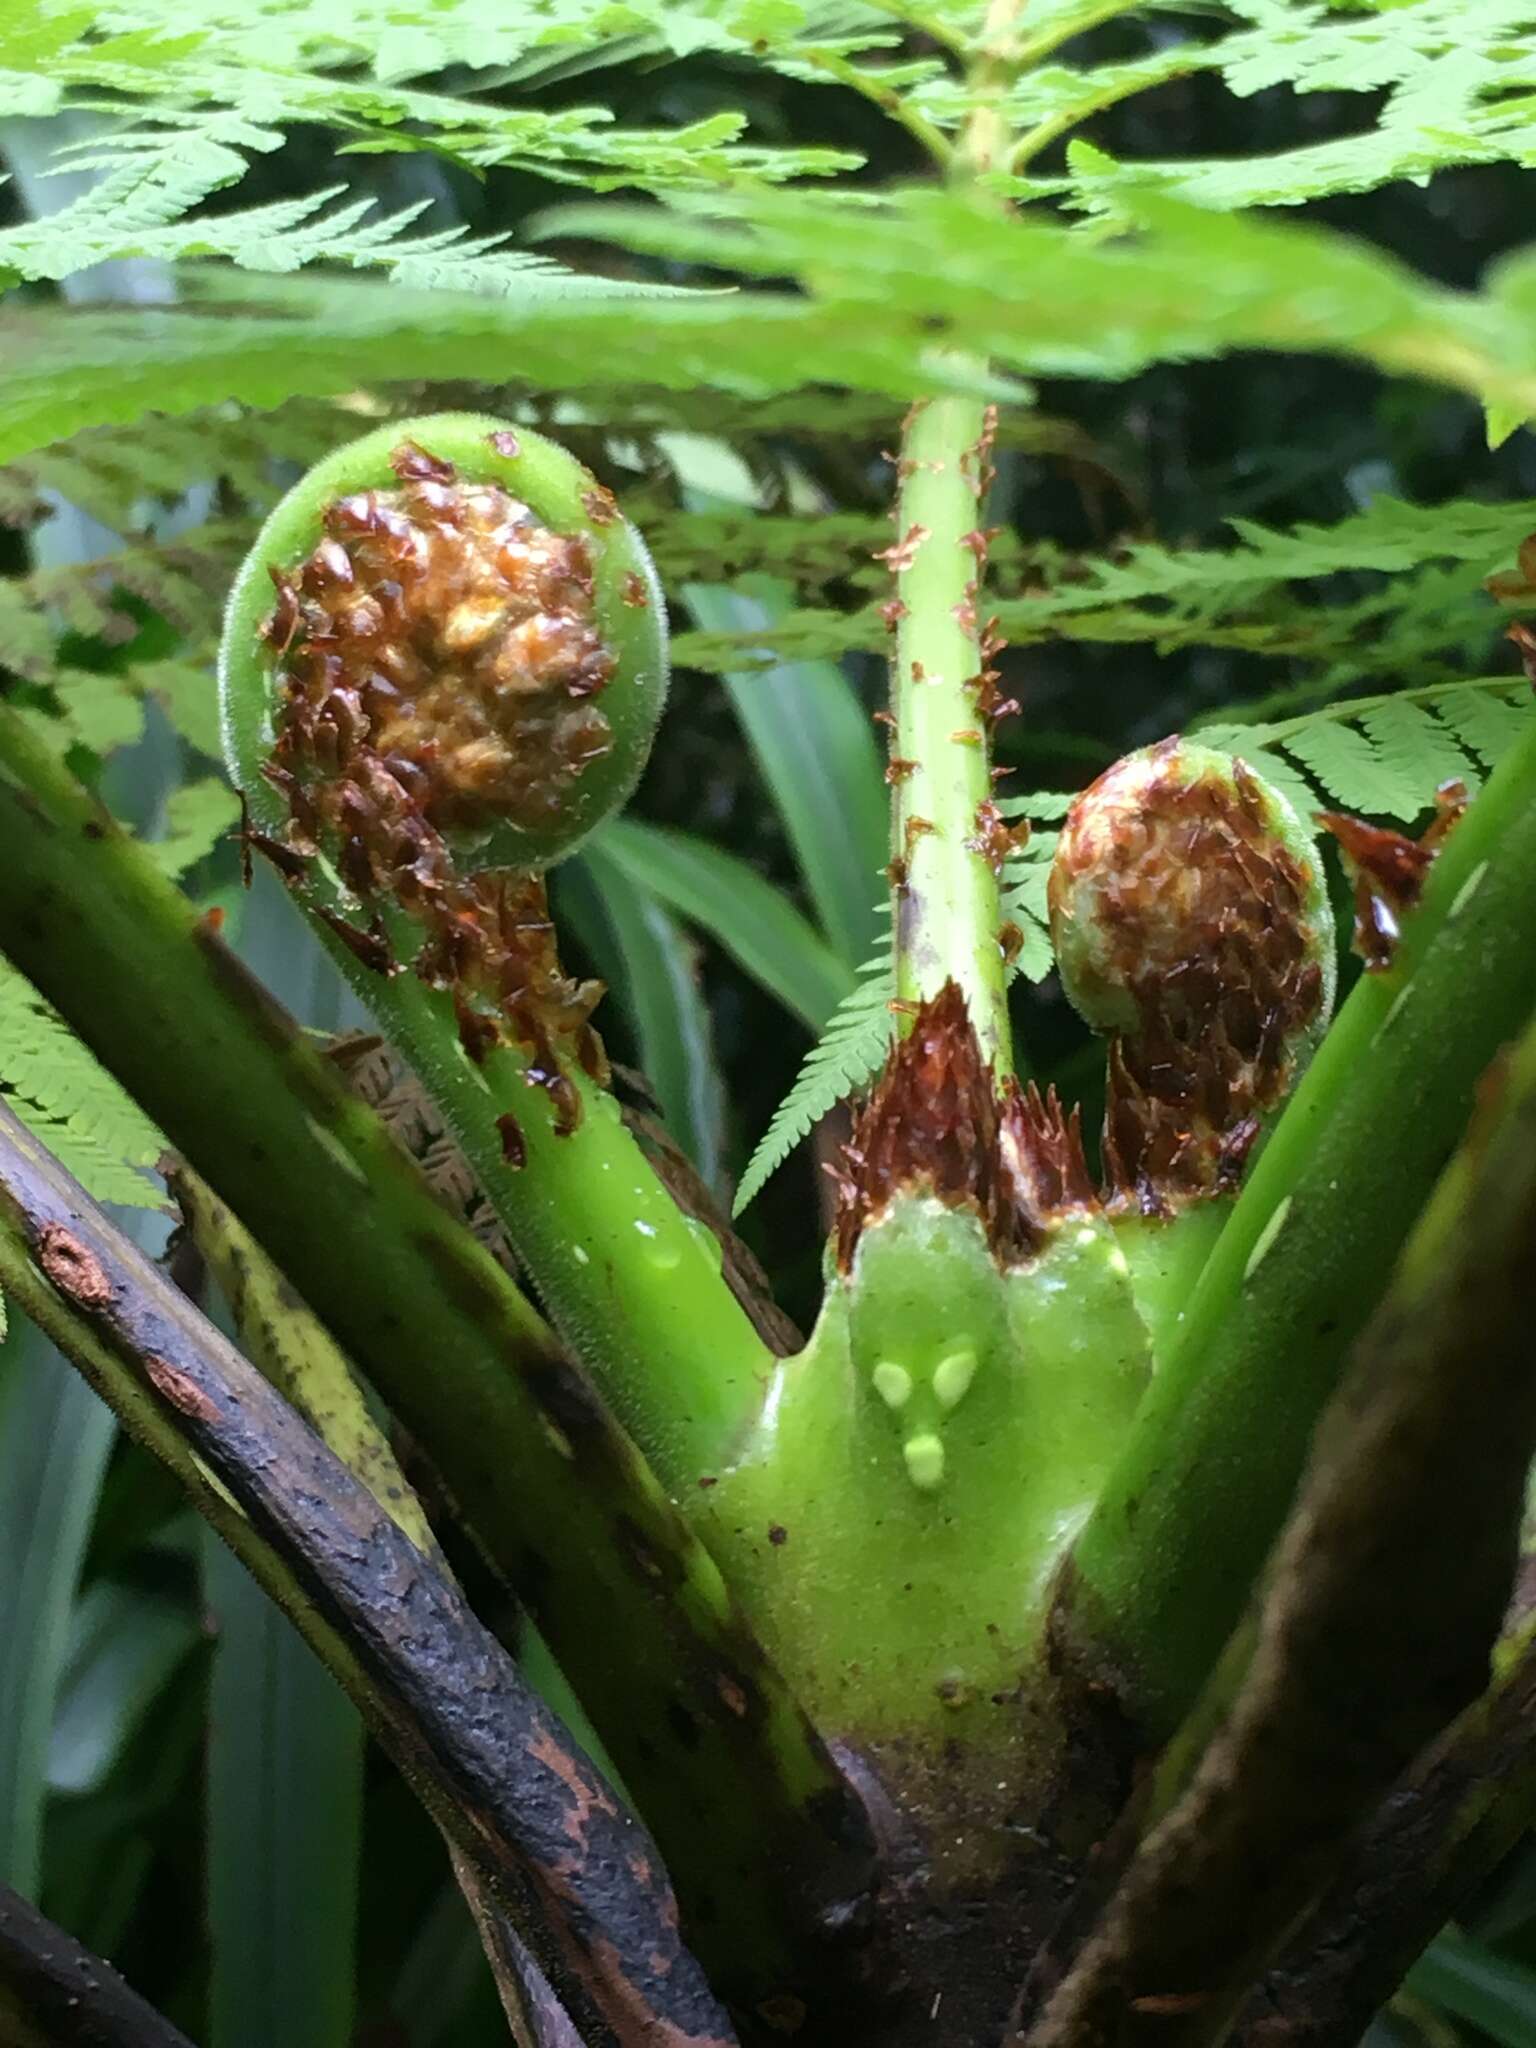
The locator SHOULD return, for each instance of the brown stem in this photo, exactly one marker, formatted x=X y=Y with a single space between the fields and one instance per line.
x=56 y=1994
x=1383 y=1600
x=1439 y=1834
x=438 y=1689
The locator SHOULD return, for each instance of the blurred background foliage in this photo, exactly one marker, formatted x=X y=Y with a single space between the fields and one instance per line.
x=179 y=1784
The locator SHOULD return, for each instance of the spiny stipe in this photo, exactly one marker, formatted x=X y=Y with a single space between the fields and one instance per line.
x=436 y=665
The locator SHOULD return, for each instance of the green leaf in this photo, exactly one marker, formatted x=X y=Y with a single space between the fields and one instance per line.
x=670 y=1016
x=723 y=896
x=285 y=1760
x=70 y=1102
x=851 y=1052
x=815 y=745
x=64 y=371
x=1042 y=299
x=55 y=1437
x=126 y=1642
x=198 y=816
x=1386 y=755
x=1478 y=1985
x=881 y=276
x=1449 y=70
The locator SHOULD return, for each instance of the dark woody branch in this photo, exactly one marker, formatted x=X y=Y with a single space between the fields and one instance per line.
x=56 y=1994
x=1439 y=1834
x=768 y=1846
x=562 y=1852
x=1384 y=1598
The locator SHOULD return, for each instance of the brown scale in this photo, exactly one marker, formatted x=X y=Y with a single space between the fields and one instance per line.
x=901 y=554
x=930 y=1125
x=437 y=658
x=1389 y=870
x=1200 y=909
x=934 y=1125
x=993 y=838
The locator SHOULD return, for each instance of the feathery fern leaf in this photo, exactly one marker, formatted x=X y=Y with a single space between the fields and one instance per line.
x=848 y=1054
x=1038 y=298
x=198 y=815
x=1175 y=597
x=119 y=476
x=1386 y=756
x=71 y=1104
x=285 y=235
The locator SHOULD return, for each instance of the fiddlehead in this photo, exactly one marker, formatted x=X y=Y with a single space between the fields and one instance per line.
x=1192 y=927
x=443 y=664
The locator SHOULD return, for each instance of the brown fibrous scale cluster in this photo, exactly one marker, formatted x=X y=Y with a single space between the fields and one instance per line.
x=1389 y=871
x=1200 y=916
x=934 y=1124
x=993 y=837
x=437 y=665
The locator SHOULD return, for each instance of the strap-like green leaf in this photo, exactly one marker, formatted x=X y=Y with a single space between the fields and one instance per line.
x=733 y=903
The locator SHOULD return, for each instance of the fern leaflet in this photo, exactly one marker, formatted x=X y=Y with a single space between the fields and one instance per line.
x=858 y=1036
x=70 y=1103
x=849 y=1052
x=1386 y=756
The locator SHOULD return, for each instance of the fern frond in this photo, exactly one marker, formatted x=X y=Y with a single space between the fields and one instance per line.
x=184 y=579
x=1171 y=597
x=1448 y=69
x=882 y=275
x=215 y=88
x=1386 y=756
x=71 y=1104
x=85 y=708
x=284 y=236
x=188 y=694
x=849 y=1053
x=119 y=476
x=197 y=816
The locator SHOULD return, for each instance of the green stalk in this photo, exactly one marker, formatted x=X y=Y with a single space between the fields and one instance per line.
x=633 y=1284
x=291 y=1348
x=1168 y=1558
x=1382 y=1600
x=557 y=1495
x=626 y=1277
x=946 y=907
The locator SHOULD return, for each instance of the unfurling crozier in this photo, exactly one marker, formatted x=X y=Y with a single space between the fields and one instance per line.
x=1192 y=927
x=443 y=664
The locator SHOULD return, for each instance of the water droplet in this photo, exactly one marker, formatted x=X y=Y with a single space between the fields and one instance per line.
x=707 y=1241
x=661 y=1253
